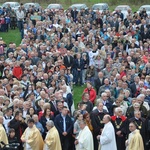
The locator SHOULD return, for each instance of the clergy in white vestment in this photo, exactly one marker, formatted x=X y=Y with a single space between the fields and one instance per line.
x=84 y=140
x=107 y=138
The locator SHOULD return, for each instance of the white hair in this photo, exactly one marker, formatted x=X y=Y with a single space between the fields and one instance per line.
x=50 y=123
x=118 y=109
x=141 y=95
x=103 y=94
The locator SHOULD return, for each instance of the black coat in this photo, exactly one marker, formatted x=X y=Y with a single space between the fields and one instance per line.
x=18 y=126
x=96 y=119
x=74 y=14
x=53 y=109
x=98 y=84
x=67 y=63
x=120 y=140
x=133 y=89
x=77 y=65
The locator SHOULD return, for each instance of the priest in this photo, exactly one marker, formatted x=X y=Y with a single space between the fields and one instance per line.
x=141 y=125
x=3 y=136
x=134 y=141
x=107 y=138
x=52 y=140
x=31 y=137
x=84 y=140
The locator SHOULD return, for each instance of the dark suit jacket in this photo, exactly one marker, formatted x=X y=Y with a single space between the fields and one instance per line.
x=59 y=124
x=79 y=66
x=67 y=63
x=133 y=89
x=97 y=84
x=74 y=14
x=69 y=100
x=145 y=36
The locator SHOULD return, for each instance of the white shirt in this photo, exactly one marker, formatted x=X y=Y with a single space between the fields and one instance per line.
x=6 y=121
x=20 y=15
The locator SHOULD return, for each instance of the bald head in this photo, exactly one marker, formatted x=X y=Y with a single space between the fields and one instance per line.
x=106 y=119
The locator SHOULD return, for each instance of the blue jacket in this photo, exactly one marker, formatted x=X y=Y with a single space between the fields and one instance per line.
x=59 y=124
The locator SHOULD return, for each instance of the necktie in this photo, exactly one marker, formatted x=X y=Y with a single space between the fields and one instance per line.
x=54 y=103
x=64 y=124
x=68 y=59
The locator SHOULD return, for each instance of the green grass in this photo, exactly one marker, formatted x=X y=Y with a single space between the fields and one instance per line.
x=77 y=94
x=11 y=36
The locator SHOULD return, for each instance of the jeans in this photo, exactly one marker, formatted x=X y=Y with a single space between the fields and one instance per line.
x=83 y=75
x=21 y=28
x=79 y=77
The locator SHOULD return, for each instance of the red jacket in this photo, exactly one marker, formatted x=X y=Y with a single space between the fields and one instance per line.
x=123 y=73
x=92 y=94
x=17 y=72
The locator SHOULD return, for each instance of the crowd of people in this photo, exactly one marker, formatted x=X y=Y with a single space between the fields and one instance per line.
x=106 y=52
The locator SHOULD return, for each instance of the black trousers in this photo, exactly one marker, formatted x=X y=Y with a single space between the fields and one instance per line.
x=65 y=142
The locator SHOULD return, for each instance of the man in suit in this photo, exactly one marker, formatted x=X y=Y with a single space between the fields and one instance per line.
x=64 y=126
x=79 y=68
x=99 y=81
x=53 y=104
x=106 y=103
x=145 y=34
x=106 y=86
x=68 y=60
x=134 y=86
x=74 y=14
x=96 y=120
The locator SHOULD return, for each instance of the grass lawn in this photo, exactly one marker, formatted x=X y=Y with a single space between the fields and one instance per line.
x=11 y=36
x=77 y=94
